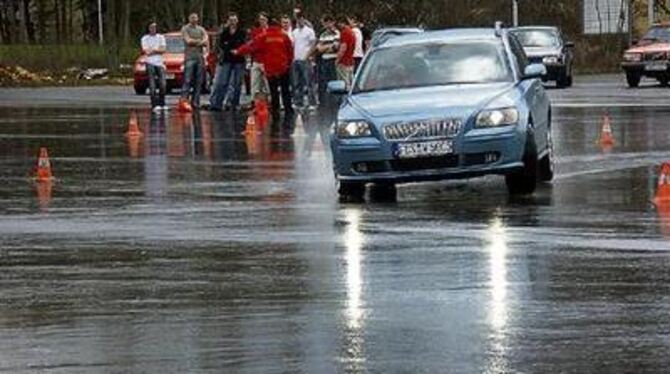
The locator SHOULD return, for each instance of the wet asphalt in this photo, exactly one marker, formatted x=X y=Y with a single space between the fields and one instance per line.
x=195 y=248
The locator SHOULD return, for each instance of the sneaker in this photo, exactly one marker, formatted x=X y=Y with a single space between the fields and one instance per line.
x=157 y=109
x=166 y=108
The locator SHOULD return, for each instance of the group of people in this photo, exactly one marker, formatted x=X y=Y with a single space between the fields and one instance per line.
x=287 y=61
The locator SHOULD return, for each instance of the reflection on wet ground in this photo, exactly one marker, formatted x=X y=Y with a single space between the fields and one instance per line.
x=197 y=247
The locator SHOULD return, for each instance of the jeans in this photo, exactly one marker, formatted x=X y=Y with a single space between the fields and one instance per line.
x=227 y=82
x=302 y=82
x=282 y=82
x=194 y=75
x=156 y=85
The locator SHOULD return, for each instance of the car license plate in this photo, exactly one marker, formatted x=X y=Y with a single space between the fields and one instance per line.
x=656 y=66
x=169 y=76
x=424 y=149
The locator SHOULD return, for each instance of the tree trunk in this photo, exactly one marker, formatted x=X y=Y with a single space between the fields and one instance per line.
x=126 y=22
x=111 y=36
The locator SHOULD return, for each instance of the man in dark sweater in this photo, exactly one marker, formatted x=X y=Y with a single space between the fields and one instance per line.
x=228 y=78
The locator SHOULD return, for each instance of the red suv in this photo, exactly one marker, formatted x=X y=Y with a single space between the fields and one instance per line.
x=650 y=57
x=174 y=64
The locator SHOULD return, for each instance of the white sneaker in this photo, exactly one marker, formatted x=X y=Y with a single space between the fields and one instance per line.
x=157 y=109
x=166 y=108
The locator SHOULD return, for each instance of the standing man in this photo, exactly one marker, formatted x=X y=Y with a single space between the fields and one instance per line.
x=196 y=41
x=153 y=46
x=277 y=57
x=345 y=53
x=229 y=72
x=304 y=40
x=326 y=50
x=287 y=26
x=259 y=83
x=359 y=52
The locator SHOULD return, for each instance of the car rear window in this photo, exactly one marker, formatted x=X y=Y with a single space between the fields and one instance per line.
x=175 y=44
x=537 y=38
x=434 y=64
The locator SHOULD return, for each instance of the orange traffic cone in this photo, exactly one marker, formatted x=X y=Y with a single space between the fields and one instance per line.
x=184 y=106
x=251 y=127
x=663 y=187
x=43 y=173
x=262 y=113
x=606 y=136
x=133 y=126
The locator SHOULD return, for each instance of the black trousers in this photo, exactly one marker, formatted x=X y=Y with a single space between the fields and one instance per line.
x=283 y=83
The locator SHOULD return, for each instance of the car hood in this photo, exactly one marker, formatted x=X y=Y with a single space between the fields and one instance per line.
x=460 y=100
x=542 y=51
x=650 y=48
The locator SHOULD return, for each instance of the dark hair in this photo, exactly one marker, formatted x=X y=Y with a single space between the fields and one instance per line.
x=327 y=18
x=263 y=14
x=232 y=14
x=274 y=22
x=343 y=19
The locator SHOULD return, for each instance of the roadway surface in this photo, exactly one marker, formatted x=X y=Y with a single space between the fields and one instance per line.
x=197 y=249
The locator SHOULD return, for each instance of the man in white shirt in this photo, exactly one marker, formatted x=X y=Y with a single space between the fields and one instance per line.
x=304 y=40
x=153 y=47
x=359 y=52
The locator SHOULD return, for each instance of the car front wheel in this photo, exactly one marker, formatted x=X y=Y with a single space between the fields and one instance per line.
x=633 y=79
x=351 y=191
x=140 y=89
x=524 y=181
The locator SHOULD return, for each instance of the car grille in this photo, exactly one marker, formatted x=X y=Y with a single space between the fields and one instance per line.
x=535 y=60
x=657 y=56
x=422 y=130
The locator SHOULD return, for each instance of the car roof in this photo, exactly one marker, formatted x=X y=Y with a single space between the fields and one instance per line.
x=442 y=36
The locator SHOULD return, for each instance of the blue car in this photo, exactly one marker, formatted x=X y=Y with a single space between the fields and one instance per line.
x=441 y=105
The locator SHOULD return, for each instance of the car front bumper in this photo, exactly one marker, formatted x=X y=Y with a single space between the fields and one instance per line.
x=647 y=68
x=482 y=152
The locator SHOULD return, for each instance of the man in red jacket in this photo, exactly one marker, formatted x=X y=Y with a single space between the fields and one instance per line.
x=275 y=51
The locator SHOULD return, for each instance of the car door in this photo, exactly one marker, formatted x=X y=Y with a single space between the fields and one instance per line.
x=534 y=94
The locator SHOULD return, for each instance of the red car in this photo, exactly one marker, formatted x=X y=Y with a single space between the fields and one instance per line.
x=174 y=63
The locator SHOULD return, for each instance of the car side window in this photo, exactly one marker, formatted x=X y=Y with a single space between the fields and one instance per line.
x=519 y=54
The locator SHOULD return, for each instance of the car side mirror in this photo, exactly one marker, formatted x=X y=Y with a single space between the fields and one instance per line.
x=337 y=88
x=534 y=71
x=570 y=44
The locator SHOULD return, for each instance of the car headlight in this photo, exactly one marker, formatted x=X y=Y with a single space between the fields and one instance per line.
x=353 y=129
x=497 y=117
x=552 y=60
x=632 y=57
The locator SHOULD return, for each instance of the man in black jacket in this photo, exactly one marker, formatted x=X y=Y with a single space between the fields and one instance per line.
x=231 y=67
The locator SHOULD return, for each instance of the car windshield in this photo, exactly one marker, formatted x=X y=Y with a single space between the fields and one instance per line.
x=658 y=33
x=537 y=38
x=175 y=44
x=433 y=65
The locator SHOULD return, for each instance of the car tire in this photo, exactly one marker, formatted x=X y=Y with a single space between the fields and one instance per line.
x=351 y=191
x=568 y=81
x=140 y=90
x=633 y=79
x=546 y=171
x=524 y=181
x=663 y=81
